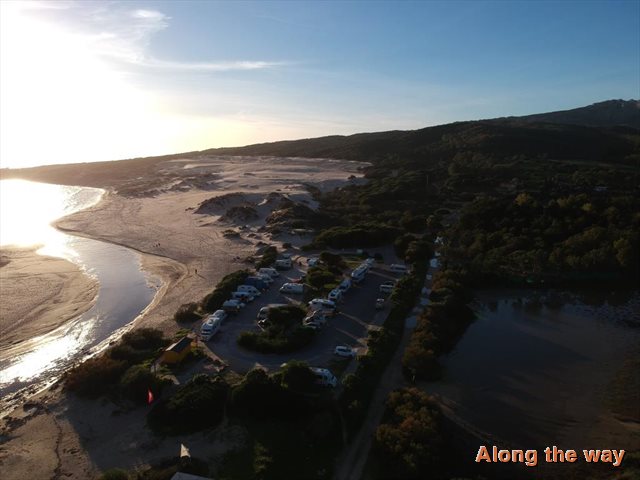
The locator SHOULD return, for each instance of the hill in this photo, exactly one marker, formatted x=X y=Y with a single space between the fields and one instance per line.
x=609 y=113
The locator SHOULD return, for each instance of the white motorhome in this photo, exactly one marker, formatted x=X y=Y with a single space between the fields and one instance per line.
x=272 y=272
x=324 y=377
x=210 y=327
x=283 y=264
x=250 y=289
x=327 y=307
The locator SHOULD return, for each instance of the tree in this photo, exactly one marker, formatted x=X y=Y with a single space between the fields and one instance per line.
x=298 y=377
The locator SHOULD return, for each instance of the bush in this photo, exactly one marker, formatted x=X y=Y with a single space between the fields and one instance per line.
x=95 y=376
x=115 y=474
x=187 y=312
x=261 y=342
x=359 y=235
x=136 y=381
x=99 y=375
x=197 y=405
x=223 y=290
x=268 y=257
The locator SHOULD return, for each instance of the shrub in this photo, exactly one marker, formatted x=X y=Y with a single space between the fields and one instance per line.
x=268 y=257
x=199 y=404
x=223 y=290
x=115 y=474
x=408 y=442
x=95 y=376
x=187 y=312
x=136 y=381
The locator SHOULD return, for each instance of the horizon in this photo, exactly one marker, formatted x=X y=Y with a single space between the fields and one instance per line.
x=107 y=81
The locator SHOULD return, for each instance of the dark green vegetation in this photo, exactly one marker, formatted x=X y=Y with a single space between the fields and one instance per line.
x=439 y=325
x=268 y=257
x=544 y=236
x=190 y=312
x=408 y=441
x=122 y=370
x=325 y=276
x=199 y=404
x=284 y=332
x=223 y=290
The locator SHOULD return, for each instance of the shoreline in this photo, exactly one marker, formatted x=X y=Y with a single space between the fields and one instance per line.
x=40 y=294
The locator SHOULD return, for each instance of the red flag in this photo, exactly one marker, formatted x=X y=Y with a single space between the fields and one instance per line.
x=149 y=396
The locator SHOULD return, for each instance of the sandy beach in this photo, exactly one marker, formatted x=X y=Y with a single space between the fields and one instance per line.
x=158 y=214
x=39 y=293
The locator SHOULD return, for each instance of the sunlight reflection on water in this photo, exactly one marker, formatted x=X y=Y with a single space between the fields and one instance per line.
x=27 y=210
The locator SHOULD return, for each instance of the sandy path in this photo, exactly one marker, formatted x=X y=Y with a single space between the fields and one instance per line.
x=39 y=294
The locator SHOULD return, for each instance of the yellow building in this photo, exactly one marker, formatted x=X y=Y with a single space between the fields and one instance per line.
x=176 y=352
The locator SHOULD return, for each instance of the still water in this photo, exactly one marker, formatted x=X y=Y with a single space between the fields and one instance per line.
x=531 y=375
x=26 y=212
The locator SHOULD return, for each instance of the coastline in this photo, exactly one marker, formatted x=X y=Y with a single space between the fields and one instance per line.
x=39 y=294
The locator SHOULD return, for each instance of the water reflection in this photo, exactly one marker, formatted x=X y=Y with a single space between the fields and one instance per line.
x=27 y=210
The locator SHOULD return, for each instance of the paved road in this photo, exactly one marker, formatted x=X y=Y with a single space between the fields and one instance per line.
x=349 y=327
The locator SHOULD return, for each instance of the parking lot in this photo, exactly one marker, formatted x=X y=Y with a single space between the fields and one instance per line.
x=356 y=315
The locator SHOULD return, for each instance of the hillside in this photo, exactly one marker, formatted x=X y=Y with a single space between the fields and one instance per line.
x=609 y=113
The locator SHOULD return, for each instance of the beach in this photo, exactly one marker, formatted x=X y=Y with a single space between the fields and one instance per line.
x=39 y=294
x=183 y=240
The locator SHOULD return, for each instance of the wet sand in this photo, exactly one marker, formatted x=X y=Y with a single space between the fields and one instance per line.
x=39 y=294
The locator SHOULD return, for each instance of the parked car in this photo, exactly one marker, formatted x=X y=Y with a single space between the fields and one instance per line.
x=315 y=317
x=370 y=261
x=259 y=282
x=266 y=278
x=312 y=325
x=221 y=314
x=335 y=295
x=250 y=289
x=345 y=285
x=398 y=268
x=244 y=297
x=292 y=288
x=387 y=287
x=232 y=306
x=313 y=261
x=344 y=351
x=324 y=377
x=264 y=311
x=380 y=303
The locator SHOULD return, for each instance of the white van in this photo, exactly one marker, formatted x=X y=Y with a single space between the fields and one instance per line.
x=335 y=295
x=324 y=377
x=345 y=285
x=283 y=264
x=358 y=275
x=272 y=272
x=398 y=268
x=250 y=289
x=327 y=307
x=292 y=288
x=243 y=297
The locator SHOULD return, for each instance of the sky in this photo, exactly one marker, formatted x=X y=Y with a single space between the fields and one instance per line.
x=89 y=80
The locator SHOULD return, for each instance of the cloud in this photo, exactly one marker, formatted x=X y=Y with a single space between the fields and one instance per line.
x=124 y=35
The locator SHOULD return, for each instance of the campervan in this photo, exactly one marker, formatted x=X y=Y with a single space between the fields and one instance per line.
x=345 y=285
x=210 y=327
x=327 y=307
x=243 y=297
x=398 y=268
x=232 y=306
x=264 y=311
x=283 y=264
x=272 y=272
x=335 y=295
x=250 y=289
